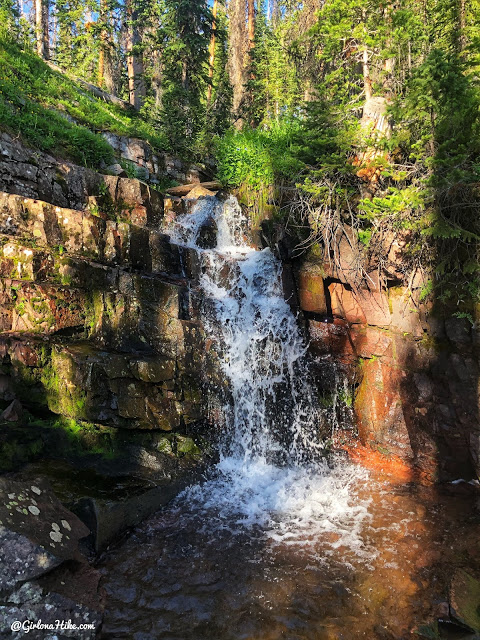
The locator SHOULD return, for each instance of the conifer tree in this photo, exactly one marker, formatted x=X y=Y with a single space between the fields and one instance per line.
x=186 y=33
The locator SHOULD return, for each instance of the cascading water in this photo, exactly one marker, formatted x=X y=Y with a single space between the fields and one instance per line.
x=273 y=473
x=276 y=542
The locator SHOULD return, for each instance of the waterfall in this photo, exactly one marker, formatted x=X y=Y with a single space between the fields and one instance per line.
x=272 y=472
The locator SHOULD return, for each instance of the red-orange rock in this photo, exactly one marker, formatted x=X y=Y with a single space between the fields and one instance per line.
x=406 y=316
x=394 y=467
x=374 y=305
x=371 y=341
x=345 y=304
x=331 y=338
x=378 y=408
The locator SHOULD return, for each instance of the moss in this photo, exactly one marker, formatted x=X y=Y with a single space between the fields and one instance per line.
x=93 y=311
x=466 y=598
x=63 y=395
x=429 y=631
x=86 y=438
x=17 y=449
x=164 y=445
x=31 y=115
x=345 y=396
x=186 y=447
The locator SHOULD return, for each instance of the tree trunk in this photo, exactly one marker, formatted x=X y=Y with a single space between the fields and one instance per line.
x=237 y=46
x=211 y=52
x=251 y=24
x=367 y=81
x=105 y=64
x=462 y=26
x=157 y=78
x=41 y=28
x=135 y=70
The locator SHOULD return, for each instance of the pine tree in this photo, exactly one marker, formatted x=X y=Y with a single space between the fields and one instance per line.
x=186 y=31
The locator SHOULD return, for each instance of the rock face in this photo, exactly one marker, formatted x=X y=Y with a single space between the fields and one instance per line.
x=83 y=257
x=100 y=327
x=411 y=369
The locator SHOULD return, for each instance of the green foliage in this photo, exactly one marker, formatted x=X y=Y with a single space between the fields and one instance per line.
x=39 y=104
x=185 y=33
x=259 y=158
x=272 y=88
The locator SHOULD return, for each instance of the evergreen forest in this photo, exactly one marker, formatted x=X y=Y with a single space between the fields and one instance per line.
x=317 y=111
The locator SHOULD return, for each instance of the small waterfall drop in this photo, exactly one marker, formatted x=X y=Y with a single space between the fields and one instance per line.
x=272 y=473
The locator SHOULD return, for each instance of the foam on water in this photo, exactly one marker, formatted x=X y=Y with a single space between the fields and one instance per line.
x=272 y=473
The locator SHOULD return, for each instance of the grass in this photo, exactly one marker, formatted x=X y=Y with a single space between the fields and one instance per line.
x=259 y=158
x=52 y=113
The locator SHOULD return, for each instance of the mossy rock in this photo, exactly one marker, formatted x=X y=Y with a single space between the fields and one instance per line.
x=465 y=599
x=187 y=447
x=428 y=631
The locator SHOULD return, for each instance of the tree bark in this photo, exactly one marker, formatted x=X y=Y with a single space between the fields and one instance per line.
x=462 y=26
x=211 y=52
x=135 y=70
x=251 y=24
x=105 y=64
x=157 y=77
x=237 y=47
x=41 y=28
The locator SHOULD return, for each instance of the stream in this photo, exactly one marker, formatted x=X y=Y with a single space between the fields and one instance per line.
x=279 y=541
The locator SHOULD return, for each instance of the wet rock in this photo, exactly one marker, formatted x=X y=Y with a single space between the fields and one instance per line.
x=33 y=510
x=22 y=559
x=379 y=409
x=13 y=413
x=107 y=518
x=207 y=235
x=156 y=369
x=331 y=338
x=30 y=603
x=37 y=533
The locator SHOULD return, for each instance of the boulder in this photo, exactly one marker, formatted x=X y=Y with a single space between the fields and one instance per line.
x=464 y=598
x=31 y=604
x=37 y=532
x=207 y=234
x=379 y=409
x=116 y=170
x=13 y=413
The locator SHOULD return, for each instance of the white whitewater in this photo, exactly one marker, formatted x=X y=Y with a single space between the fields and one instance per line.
x=272 y=473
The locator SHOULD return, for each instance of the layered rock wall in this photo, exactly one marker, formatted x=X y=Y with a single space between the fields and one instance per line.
x=99 y=321
x=412 y=367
